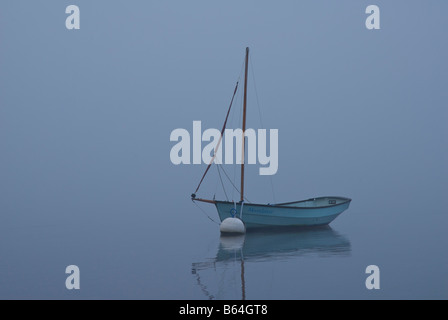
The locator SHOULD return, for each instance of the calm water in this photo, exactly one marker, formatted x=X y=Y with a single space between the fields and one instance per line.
x=85 y=171
x=146 y=258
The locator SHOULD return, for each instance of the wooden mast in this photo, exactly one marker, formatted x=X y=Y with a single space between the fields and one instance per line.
x=244 y=124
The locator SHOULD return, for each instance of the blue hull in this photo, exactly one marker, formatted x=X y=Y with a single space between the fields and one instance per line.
x=311 y=212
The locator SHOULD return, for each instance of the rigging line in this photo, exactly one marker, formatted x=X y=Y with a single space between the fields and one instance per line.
x=256 y=94
x=238 y=96
x=220 y=139
x=222 y=183
x=203 y=211
x=261 y=121
x=238 y=110
x=236 y=103
x=231 y=182
x=216 y=188
x=240 y=120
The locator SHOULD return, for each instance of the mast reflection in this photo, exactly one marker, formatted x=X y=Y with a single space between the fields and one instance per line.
x=264 y=246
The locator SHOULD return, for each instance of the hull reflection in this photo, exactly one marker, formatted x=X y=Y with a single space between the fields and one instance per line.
x=264 y=246
x=272 y=245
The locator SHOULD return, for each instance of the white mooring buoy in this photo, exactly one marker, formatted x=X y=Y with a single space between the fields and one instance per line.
x=232 y=243
x=232 y=225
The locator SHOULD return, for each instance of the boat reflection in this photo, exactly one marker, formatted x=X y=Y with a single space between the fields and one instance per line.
x=264 y=246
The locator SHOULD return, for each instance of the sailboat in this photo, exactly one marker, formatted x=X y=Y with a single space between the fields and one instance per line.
x=303 y=213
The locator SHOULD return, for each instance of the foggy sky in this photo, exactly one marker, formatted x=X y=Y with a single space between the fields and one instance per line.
x=86 y=115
